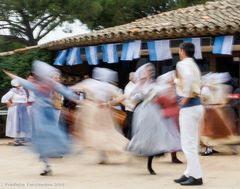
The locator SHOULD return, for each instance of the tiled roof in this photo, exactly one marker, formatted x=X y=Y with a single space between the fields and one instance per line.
x=210 y=19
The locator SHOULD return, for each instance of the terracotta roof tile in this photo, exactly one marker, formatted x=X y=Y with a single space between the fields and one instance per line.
x=212 y=18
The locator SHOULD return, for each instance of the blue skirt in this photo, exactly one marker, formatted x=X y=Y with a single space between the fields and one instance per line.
x=22 y=118
x=47 y=138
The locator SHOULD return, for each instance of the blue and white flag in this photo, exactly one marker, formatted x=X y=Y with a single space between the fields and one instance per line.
x=159 y=50
x=131 y=50
x=61 y=58
x=74 y=56
x=92 y=55
x=110 y=54
x=223 y=45
x=197 y=44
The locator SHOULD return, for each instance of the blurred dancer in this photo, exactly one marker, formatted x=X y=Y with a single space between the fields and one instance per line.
x=30 y=101
x=219 y=125
x=129 y=105
x=188 y=83
x=95 y=125
x=167 y=99
x=47 y=139
x=151 y=134
x=57 y=98
x=17 y=125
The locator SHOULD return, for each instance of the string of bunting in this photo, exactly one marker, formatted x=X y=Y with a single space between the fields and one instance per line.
x=158 y=50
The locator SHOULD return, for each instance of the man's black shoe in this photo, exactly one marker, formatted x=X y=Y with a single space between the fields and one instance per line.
x=191 y=181
x=181 y=179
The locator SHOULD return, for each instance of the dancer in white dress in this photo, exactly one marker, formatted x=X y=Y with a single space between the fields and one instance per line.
x=151 y=134
x=17 y=124
x=95 y=126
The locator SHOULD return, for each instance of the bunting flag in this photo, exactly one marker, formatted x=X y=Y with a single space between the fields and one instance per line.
x=159 y=50
x=92 y=55
x=197 y=44
x=61 y=57
x=223 y=45
x=131 y=50
x=110 y=54
x=74 y=56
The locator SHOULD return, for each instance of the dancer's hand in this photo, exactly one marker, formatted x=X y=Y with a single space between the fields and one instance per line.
x=10 y=104
x=184 y=101
x=103 y=105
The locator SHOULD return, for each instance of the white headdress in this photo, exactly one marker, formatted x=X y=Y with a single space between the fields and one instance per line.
x=106 y=75
x=44 y=70
x=15 y=83
x=139 y=74
x=166 y=78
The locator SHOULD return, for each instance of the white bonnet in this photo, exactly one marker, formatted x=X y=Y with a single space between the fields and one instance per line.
x=15 y=83
x=105 y=74
x=44 y=70
x=166 y=78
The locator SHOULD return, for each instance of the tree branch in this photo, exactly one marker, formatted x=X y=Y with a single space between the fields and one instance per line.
x=11 y=26
x=45 y=25
x=44 y=34
x=41 y=21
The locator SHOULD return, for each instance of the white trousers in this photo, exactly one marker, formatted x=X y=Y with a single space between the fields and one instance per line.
x=190 y=120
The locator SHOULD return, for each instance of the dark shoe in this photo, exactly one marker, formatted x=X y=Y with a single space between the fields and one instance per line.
x=152 y=172
x=102 y=162
x=207 y=153
x=191 y=181
x=46 y=173
x=215 y=151
x=176 y=160
x=181 y=179
x=18 y=144
x=57 y=156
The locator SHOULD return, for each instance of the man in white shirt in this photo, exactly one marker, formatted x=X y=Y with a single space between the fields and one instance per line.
x=188 y=81
x=129 y=105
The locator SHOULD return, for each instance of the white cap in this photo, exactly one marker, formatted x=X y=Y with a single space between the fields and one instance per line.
x=104 y=74
x=44 y=70
x=166 y=78
x=139 y=74
x=15 y=83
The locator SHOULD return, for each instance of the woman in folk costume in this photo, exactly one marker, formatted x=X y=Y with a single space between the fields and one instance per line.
x=151 y=134
x=57 y=98
x=47 y=139
x=167 y=99
x=219 y=121
x=95 y=125
x=31 y=99
x=17 y=125
x=129 y=105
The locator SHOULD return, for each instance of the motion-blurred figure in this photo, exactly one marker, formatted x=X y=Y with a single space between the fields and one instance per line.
x=47 y=139
x=167 y=99
x=219 y=125
x=151 y=134
x=129 y=105
x=95 y=125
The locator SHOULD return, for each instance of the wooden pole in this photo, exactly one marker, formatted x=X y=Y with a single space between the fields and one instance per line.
x=213 y=63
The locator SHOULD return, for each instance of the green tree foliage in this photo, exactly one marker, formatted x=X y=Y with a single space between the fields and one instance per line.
x=8 y=45
x=20 y=63
x=116 y=12
x=28 y=21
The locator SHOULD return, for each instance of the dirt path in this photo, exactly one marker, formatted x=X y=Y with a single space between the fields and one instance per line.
x=20 y=170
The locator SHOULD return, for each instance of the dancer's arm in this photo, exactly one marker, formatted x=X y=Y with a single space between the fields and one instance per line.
x=25 y=83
